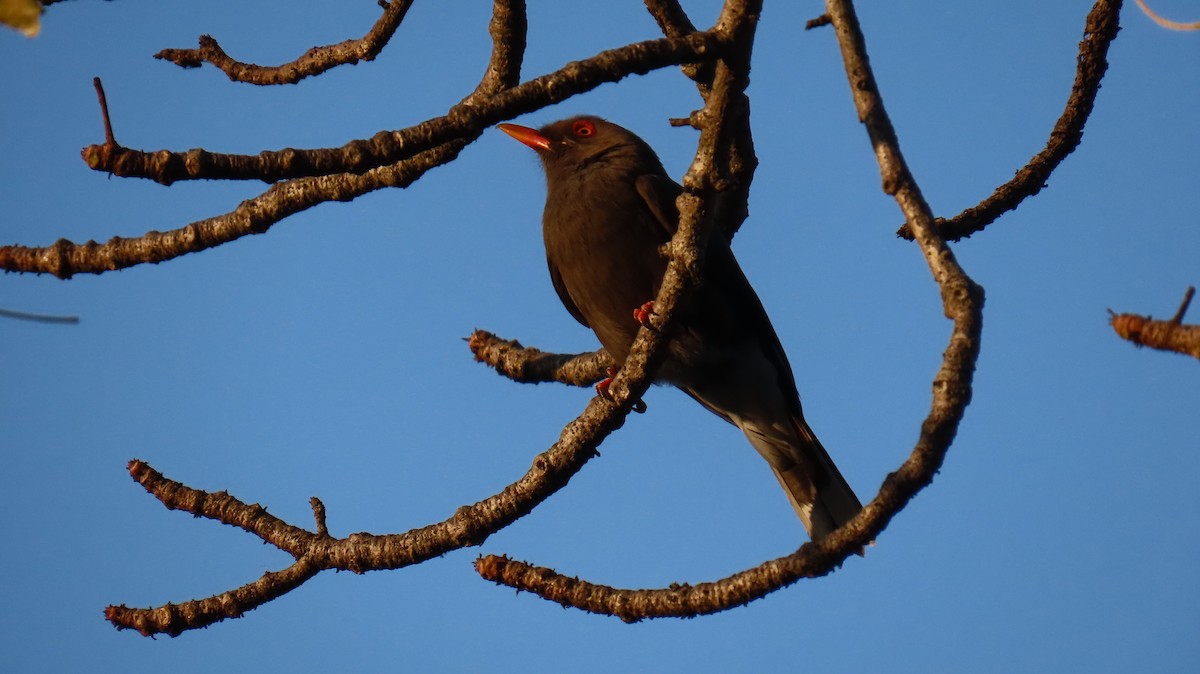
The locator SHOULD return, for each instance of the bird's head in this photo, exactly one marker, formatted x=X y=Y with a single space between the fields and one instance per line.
x=568 y=146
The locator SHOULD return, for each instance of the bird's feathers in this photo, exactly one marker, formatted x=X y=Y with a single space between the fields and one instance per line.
x=610 y=206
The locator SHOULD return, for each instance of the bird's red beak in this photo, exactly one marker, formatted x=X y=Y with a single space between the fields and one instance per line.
x=527 y=136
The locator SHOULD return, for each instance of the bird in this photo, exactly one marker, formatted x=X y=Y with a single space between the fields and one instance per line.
x=610 y=207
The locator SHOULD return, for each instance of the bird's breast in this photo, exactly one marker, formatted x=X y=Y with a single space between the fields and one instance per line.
x=604 y=243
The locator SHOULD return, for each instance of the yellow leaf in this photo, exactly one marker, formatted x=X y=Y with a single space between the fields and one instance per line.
x=22 y=15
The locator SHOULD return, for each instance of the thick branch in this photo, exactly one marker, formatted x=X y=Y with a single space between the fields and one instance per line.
x=1099 y=32
x=314 y=62
x=387 y=147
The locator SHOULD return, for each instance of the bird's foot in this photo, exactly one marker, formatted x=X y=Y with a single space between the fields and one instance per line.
x=639 y=405
x=643 y=313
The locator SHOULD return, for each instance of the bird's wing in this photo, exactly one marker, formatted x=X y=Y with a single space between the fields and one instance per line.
x=561 y=289
x=659 y=192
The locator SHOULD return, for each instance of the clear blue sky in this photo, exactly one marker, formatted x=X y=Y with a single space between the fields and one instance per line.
x=325 y=358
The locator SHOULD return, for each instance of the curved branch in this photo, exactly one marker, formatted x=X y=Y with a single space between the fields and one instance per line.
x=528 y=365
x=314 y=62
x=387 y=147
x=1165 y=22
x=1172 y=335
x=175 y=619
x=962 y=301
x=1099 y=31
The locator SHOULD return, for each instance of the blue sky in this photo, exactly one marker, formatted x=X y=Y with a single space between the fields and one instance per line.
x=325 y=358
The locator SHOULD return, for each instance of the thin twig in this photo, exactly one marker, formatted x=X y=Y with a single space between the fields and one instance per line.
x=38 y=318
x=1183 y=306
x=318 y=509
x=109 y=139
x=314 y=62
x=1164 y=22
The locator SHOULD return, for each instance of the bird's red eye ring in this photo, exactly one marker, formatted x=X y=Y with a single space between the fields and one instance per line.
x=583 y=128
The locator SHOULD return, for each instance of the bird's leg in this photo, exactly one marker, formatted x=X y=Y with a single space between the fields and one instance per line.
x=639 y=405
x=643 y=313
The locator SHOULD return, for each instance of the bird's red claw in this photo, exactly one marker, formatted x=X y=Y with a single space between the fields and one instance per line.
x=639 y=405
x=642 y=314
x=602 y=389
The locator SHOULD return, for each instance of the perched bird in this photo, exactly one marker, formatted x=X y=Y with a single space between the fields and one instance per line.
x=610 y=205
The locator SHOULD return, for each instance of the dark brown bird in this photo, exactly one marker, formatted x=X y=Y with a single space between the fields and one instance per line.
x=610 y=205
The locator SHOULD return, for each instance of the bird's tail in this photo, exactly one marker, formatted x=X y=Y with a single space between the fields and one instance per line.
x=814 y=486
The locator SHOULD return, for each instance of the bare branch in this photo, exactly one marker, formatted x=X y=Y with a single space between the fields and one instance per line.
x=387 y=147
x=508 y=28
x=531 y=366
x=314 y=62
x=962 y=298
x=174 y=619
x=1099 y=31
x=1172 y=335
x=818 y=22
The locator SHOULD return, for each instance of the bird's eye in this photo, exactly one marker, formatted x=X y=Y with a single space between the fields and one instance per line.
x=583 y=128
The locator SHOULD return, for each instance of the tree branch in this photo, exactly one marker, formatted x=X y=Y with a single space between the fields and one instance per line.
x=314 y=62
x=387 y=147
x=1099 y=32
x=175 y=619
x=1170 y=335
x=528 y=365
